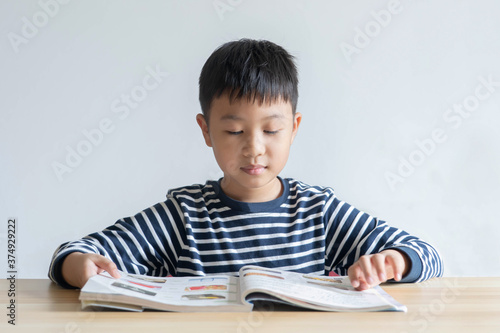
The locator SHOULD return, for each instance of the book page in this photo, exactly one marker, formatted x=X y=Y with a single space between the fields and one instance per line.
x=179 y=291
x=320 y=292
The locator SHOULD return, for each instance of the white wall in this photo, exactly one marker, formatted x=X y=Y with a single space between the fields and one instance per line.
x=363 y=112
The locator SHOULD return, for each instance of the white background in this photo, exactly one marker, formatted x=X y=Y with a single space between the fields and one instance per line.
x=363 y=113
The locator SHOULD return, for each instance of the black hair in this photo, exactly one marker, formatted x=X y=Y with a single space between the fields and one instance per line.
x=253 y=69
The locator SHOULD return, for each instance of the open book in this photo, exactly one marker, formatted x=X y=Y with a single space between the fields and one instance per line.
x=224 y=293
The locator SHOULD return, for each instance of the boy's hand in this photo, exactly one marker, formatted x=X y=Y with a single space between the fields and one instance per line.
x=78 y=267
x=372 y=269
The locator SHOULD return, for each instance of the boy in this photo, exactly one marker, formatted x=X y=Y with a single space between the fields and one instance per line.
x=248 y=95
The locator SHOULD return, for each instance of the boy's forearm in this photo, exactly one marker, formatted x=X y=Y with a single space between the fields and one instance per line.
x=56 y=271
x=353 y=233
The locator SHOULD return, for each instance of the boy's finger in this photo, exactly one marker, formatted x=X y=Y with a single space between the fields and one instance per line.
x=354 y=273
x=366 y=267
x=358 y=278
x=379 y=263
x=396 y=269
x=351 y=273
x=109 y=266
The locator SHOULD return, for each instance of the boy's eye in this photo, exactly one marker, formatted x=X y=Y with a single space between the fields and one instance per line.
x=240 y=132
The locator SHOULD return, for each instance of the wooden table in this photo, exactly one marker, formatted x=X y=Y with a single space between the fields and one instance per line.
x=469 y=305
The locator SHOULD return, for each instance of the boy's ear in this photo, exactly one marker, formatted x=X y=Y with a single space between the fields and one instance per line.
x=296 y=122
x=200 y=119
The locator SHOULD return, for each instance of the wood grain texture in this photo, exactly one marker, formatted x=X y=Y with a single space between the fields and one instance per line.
x=449 y=304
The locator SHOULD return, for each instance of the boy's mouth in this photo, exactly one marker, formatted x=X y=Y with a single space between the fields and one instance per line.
x=253 y=169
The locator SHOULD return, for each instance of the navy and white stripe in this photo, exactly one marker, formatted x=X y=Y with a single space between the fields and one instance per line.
x=198 y=230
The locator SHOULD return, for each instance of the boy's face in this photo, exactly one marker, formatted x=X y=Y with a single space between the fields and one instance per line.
x=251 y=144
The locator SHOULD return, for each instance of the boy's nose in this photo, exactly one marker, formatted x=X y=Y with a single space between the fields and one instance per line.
x=253 y=146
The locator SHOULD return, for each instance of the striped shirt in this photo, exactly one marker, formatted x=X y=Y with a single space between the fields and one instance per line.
x=199 y=230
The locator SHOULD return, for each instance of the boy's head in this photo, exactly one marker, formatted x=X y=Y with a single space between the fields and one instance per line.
x=248 y=94
x=257 y=70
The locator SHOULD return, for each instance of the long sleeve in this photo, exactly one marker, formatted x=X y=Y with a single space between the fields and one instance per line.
x=198 y=230
x=351 y=233
x=148 y=243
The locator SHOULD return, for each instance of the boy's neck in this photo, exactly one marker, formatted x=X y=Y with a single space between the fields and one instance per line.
x=267 y=193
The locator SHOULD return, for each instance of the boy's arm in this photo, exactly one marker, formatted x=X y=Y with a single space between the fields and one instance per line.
x=354 y=237
x=143 y=244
